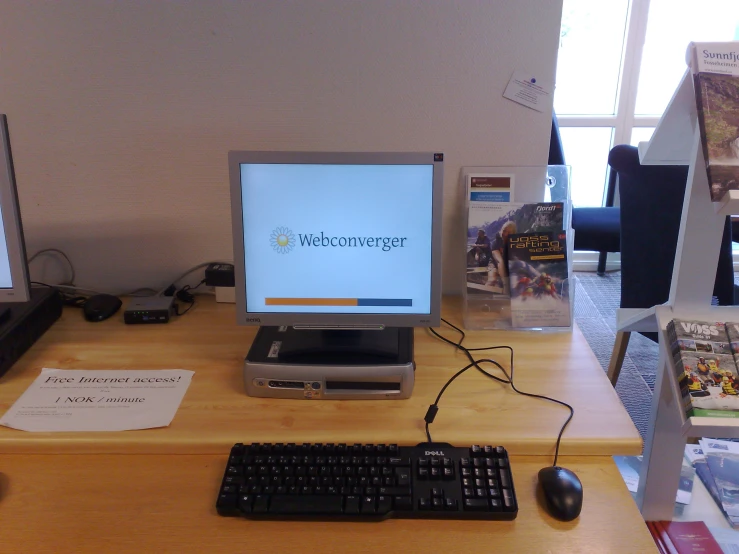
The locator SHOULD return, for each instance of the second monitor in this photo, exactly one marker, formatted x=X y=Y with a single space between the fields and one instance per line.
x=342 y=249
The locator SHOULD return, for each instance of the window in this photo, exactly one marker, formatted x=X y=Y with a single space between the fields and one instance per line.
x=619 y=63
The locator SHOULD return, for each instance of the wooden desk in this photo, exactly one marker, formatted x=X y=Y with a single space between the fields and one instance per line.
x=158 y=503
x=216 y=412
x=126 y=492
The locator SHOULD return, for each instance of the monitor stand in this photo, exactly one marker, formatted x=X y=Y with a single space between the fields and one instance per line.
x=284 y=362
x=4 y=314
x=303 y=346
x=23 y=323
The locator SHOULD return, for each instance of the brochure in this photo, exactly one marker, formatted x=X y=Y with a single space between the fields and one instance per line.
x=489 y=224
x=537 y=265
x=715 y=67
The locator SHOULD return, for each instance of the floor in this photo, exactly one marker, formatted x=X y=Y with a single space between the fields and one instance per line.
x=596 y=301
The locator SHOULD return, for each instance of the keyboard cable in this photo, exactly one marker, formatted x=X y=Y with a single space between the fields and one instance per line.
x=434 y=408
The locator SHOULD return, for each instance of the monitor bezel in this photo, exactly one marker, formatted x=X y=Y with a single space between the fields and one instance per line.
x=12 y=226
x=244 y=317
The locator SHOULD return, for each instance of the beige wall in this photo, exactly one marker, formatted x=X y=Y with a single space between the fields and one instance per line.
x=121 y=113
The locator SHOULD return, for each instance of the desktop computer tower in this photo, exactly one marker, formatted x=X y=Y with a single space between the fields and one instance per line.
x=25 y=324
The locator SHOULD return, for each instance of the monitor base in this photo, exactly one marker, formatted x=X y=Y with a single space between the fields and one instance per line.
x=339 y=365
x=337 y=345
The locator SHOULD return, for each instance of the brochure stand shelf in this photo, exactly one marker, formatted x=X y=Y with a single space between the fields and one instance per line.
x=698 y=247
x=487 y=304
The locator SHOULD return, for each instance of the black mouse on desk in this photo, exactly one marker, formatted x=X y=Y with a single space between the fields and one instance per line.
x=100 y=307
x=562 y=492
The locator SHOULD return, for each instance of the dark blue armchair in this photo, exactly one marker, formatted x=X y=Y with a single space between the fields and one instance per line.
x=651 y=203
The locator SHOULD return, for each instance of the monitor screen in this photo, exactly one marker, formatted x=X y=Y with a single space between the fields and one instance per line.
x=330 y=239
x=14 y=285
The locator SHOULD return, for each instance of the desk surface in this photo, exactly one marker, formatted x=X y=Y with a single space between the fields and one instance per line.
x=216 y=412
x=125 y=492
x=159 y=503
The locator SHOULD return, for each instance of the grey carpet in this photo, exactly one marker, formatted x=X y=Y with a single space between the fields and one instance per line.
x=596 y=301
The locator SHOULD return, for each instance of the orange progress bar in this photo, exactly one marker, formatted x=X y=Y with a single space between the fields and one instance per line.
x=311 y=301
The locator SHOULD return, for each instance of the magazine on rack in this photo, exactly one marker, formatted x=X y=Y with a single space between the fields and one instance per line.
x=715 y=68
x=537 y=266
x=489 y=224
x=704 y=368
x=722 y=459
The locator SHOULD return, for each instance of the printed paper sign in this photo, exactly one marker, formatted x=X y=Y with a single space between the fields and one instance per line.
x=530 y=91
x=99 y=400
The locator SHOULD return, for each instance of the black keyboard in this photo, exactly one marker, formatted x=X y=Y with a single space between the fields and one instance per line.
x=367 y=482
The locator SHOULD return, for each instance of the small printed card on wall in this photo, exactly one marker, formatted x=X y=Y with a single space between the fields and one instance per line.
x=529 y=90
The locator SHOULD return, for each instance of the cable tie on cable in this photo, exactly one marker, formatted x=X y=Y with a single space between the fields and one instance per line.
x=431 y=413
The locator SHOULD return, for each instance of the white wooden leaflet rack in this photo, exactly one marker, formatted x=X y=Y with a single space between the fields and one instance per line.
x=676 y=141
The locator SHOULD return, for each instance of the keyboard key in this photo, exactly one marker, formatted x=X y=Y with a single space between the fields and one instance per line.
x=351 y=504
x=261 y=503
x=450 y=504
x=476 y=504
x=395 y=491
x=368 y=505
x=286 y=505
x=245 y=503
x=507 y=498
x=403 y=475
x=424 y=504
x=384 y=504
x=403 y=503
x=505 y=481
x=226 y=502
x=399 y=461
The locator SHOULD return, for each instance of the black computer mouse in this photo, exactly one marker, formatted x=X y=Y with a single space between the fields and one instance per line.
x=562 y=492
x=100 y=307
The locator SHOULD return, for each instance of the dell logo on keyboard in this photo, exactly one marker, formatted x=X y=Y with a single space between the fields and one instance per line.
x=434 y=453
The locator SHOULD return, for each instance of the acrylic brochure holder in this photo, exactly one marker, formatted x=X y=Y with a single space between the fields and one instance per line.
x=537 y=293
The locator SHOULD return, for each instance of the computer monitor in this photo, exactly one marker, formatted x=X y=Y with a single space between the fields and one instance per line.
x=14 y=282
x=343 y=241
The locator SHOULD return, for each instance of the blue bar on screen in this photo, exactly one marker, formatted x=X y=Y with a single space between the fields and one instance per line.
x=384 y=302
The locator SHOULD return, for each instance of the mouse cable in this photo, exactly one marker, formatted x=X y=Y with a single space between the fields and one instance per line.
x=434 y=408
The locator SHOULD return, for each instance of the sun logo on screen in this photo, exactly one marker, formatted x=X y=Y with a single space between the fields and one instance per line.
x=282 y=240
